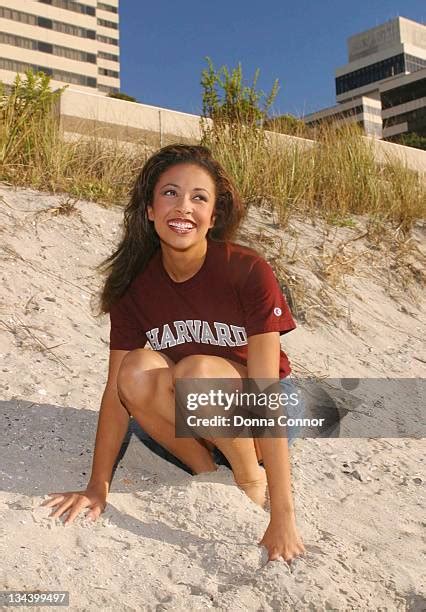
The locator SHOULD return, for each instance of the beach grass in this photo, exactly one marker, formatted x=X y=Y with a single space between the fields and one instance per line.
x=333 y=178
x=333 y=182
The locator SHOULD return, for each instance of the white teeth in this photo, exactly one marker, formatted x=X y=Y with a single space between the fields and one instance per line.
x=181 y=225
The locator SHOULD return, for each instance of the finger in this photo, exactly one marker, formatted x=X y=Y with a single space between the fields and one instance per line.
x=53 y=502
x=78 y=507
x=274 y=555
x=61 y=493
x=93 y=514
x=57 y=497
x=289 y=559
x=63 y=508
x=98 y=511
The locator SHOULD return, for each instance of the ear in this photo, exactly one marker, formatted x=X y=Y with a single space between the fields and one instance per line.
x=150 y=212
x=213 y=221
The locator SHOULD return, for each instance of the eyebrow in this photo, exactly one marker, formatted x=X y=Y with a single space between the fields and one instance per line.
x=174 y=185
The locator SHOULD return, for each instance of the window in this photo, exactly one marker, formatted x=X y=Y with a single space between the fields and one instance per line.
x=107 y=89
x=414 y=63
x=58 y=26
x=107 y=40
x=108 y=24
x=17 y=16
x=370 y=74
x=38 y=45
x=108 y=56
x=58 y=75
x=109 y=73
x=74 y=54
x=416 y=119
x=45 y=23
x=404 y=93
x=45 y=47
x=17 y=41
x=69 y=5
x=72 y=30
x=107 y=7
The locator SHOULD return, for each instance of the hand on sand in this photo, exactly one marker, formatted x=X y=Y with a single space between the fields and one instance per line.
x=282 y=540
x=94 y=498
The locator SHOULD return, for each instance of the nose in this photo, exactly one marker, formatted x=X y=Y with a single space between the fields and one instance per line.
x=184 y=205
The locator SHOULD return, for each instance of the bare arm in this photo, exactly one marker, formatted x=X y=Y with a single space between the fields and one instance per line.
x=113 y=422
x=263 y=362
x=281 y=537
x=112 y=426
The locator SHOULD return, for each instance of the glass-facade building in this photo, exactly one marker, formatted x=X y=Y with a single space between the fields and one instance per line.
x=404 y=105
x=385 y=69
x=385 y=76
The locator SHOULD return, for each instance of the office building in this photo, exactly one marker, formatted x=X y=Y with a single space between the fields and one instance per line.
x=383 y=86
x=75 y=42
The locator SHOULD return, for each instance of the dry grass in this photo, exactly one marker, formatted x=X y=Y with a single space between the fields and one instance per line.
x=34 y=153
x=332 y=180
x=330 y=183
x=315 y=264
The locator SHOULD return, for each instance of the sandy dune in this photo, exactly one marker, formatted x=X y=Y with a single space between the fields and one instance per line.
x=169 y=541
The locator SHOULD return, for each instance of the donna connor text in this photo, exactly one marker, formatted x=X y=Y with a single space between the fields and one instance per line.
x=237 y=420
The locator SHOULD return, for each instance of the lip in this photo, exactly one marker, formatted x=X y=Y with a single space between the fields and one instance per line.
x=181 y=220
x=181 y=230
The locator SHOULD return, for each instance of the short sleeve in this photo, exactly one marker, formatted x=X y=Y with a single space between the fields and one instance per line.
x=264 y=304
x=126 y=331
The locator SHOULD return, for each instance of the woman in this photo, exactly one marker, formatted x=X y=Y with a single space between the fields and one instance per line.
x=209 y=308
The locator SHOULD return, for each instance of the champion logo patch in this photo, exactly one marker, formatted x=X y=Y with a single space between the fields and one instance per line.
x=278 y=311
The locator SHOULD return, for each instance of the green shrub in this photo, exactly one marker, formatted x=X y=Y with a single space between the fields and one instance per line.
x=29 y=128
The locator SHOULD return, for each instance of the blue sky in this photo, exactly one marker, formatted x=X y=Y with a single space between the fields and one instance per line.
x=164 y=44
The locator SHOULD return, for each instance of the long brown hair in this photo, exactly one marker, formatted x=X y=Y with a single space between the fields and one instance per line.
x=140 y=240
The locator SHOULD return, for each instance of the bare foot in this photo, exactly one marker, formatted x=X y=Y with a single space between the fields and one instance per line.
x=256 y=489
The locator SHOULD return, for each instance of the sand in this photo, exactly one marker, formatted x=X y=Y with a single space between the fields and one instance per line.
x=167 y=540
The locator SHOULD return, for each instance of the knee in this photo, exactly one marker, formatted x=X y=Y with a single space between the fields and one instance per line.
x=194 y=366
x=135 y=378
x=196 y=369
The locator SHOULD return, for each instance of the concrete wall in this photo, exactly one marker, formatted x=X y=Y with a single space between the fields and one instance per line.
x=415 y=159
x=92 y=114
x=83 y=113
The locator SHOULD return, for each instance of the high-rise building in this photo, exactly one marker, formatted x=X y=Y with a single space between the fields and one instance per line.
x=383 y=86
x=75 y=42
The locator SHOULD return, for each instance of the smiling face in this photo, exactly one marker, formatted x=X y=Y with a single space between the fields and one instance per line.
x=183 y=205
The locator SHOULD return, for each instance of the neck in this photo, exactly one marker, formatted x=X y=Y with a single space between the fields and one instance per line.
x=183 y=265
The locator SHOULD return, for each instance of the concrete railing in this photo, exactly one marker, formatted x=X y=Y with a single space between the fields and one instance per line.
x=412 y=158
x=86 y=114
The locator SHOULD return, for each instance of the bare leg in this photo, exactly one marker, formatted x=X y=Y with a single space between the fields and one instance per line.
x=240 y=452
x=146 y=388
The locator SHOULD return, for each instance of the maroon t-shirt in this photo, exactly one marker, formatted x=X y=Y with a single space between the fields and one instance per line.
x=233 y=296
